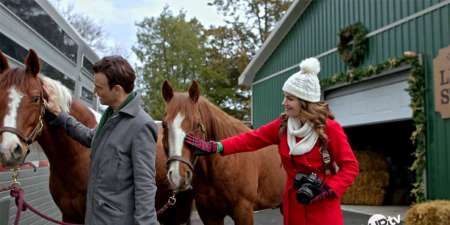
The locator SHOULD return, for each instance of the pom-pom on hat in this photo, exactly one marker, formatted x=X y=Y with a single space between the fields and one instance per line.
x=305 y=83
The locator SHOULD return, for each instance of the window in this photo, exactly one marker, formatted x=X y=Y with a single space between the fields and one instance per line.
x=87 y=64
x=33 y=15
x=53 y=73
x=19 y=53
x=12 y=49
x=87 y=95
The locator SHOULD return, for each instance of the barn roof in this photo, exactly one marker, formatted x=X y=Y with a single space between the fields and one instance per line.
x=282 y=28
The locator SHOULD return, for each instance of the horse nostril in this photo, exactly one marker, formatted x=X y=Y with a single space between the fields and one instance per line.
x=18 y=150
x=169 y=175
x=188 y=175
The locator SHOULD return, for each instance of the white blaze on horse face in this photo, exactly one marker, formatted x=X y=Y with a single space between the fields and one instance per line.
x=176 y=142
x=10 y=140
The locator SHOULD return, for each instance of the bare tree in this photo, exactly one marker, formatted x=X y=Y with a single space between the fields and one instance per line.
x=89 y=29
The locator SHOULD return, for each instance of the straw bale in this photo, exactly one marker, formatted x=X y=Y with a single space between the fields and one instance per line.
x=429 y=213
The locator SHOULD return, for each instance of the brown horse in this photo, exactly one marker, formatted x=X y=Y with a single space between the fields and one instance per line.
x=180 y=212
x=21 y=116
x=234 y=185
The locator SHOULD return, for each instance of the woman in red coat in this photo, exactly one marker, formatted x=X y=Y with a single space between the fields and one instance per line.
x=314 y=150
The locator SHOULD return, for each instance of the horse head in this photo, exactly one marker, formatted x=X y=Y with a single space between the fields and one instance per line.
x=182 y=117
x=21 y=108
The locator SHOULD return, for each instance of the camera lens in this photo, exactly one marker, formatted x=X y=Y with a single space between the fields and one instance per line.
x=298 y=180
x=304 y=195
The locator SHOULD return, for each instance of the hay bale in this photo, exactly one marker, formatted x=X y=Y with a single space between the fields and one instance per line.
x=371 y=161
x=375 y=179
x=364 y=196
x=369 y=187
x=429 y=213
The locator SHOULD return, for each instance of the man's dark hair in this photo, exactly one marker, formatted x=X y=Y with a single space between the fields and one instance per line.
x=118 y=72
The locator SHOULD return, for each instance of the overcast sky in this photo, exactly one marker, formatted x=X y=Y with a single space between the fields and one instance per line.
x=118 y=17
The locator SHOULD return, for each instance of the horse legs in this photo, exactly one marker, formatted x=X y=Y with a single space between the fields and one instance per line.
x=73 y=210
x=243 y=213
x=209 y=216
x=209 y=220
x=72 y=219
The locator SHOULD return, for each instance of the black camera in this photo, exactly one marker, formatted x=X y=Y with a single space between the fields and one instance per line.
x=307 y=187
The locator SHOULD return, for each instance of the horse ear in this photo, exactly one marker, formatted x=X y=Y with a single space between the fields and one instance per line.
x=194 y=91
x=32 y=63
x=167 y=91
x=4 y=65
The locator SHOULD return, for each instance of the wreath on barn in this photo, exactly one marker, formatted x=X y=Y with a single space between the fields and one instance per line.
x=352 y=44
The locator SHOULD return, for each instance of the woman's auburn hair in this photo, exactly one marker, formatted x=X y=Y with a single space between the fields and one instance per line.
x=315 y=113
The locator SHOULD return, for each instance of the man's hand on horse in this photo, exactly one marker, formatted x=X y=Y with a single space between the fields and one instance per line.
x=50 y=103
x=202 y=147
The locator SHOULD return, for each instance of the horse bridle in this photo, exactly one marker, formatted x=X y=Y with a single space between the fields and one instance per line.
x=35 y=132
x=188 y=163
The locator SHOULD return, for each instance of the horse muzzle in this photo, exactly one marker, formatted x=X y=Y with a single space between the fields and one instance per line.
x=12 y=155
x=179 y=182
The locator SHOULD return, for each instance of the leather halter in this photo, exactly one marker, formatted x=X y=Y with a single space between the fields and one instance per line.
x=35 y=132
x=191 y=165
x=180 y=159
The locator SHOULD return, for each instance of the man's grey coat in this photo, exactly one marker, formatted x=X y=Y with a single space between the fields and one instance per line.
x=121 y=187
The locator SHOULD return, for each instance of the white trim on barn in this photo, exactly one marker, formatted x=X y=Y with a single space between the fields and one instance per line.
x=276 y=36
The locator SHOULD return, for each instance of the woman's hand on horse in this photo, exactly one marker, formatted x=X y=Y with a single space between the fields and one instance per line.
x=50 y=104
x=202 y=147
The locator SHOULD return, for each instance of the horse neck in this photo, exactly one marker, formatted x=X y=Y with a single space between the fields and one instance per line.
x=221 y=125
x=60 y=149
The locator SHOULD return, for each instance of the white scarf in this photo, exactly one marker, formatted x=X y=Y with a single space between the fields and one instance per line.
x=306 y=132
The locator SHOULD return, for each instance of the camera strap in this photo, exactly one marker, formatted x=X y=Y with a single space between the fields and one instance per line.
x=326 y=158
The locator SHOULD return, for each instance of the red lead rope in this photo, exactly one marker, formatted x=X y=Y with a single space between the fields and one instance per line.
x=170 y=202
x=22 y=205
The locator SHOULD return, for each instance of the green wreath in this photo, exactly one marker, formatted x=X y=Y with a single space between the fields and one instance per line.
x=353 y=54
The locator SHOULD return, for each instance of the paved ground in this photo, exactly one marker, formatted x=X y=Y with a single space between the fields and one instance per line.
x=273 y=217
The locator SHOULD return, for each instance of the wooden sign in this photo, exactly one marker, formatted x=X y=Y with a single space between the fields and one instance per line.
x=441 y=68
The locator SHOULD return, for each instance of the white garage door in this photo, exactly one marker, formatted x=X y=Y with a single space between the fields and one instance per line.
x=381 y=98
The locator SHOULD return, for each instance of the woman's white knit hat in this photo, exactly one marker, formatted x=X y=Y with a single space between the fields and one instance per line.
x=305 y=83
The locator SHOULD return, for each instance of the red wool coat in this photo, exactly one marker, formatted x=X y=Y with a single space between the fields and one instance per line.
x=327 y=211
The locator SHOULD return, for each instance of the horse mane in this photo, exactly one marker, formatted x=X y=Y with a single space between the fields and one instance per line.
x=62 y=94
x=222 y=124
x=219 y=124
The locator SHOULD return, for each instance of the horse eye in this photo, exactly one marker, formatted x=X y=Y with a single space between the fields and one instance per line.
x=35 y=99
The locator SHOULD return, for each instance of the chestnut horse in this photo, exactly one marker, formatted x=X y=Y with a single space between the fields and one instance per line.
x=180 y=212
x=21 y=116
x=234 y=185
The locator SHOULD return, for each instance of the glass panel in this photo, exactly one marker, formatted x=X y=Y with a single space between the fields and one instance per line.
x=19 y=53
x=88 y=65
x=32 y=14
x=53 y=73
x=87 y=95
x=12 y=49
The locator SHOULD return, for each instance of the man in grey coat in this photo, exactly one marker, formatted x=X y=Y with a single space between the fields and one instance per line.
x=121 y=187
